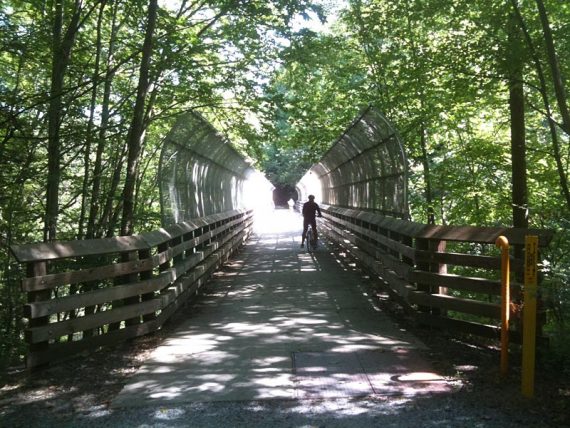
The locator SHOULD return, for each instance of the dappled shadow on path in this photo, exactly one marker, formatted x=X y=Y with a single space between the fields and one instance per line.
x=281 y=323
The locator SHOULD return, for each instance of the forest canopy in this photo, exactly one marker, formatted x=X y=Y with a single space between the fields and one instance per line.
x=88 y=90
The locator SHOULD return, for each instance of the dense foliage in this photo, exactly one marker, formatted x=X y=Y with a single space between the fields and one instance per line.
x=88 y=89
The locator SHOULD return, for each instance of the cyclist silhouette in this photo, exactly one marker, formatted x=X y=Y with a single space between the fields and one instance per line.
x=310 y=209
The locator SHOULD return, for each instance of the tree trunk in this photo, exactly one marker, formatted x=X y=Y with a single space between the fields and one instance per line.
x=90 y=124
x=96 y=197
x=554 y=67
x=61 y=53
x=544 y=93
x=518 y=145
x=117 y=167
x=137 y=129
x=427 y=175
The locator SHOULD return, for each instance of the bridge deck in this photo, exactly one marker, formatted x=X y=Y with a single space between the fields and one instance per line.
x=281 y=323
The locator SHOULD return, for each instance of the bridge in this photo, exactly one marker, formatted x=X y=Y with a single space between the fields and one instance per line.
x=273 y=321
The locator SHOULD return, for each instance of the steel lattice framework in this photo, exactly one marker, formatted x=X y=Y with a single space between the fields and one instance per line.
x=365 y=169
x=201 y=174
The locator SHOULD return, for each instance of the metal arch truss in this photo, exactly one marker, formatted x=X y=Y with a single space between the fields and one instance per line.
x=200 y=173
x=365 y=169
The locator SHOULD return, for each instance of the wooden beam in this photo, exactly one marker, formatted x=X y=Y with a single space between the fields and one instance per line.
x=450 y=303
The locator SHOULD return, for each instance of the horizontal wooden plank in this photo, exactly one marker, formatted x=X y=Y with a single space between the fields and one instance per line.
x=383 y=240
x=461 y=326
x=459 y=259
x=402 y=269
x=398 y=284
x=189 y=284
x=113 y=270
x=121 y=291
x=63 y=350
x=470 y=327
x=399 y=226
x=473 y=284
x=183 y=228
x=194 y=242
x=483 y=235
x=65 y=249
x=390 y=262
x=37 y=283
x=406 y=228
x=96 y=297
x=379 y=238
x=120 y=244
x=450 y=303
x=447 y=233
x=59 y=351
x=57 y=329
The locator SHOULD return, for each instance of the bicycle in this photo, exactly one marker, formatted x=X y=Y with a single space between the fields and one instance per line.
x=310 y=239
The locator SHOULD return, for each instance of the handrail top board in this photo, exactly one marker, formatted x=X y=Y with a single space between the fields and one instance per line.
x=48 y=251
x=477 y=234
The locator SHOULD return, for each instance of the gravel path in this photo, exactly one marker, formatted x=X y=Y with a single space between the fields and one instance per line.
x=451 y=411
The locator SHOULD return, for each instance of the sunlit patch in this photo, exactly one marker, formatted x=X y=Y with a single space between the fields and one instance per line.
x=251 y=328
x=168 y=393
x=275 y=380
x=7 y=388
x=466 y=368
x=353 y=348
x=100 y=411
x=161 y=369
x=263 y=361
x=167 y=414
x=419 y=376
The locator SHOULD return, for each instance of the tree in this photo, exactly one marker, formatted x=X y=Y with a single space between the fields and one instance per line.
x=518 y=142
x=62 y=46
x=557 y=80
x=137 y=129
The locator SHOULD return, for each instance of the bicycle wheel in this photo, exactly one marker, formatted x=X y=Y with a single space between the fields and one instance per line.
x=309 y=238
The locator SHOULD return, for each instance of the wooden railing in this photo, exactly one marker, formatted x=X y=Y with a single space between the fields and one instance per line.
x=86 y=294
x=446 y=276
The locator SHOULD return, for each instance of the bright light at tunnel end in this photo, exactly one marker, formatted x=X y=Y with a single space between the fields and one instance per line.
x=258 y=192
x=310 y=184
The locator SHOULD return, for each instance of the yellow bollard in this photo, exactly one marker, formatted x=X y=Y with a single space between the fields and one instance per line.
x=503 y=243
x=529 y=315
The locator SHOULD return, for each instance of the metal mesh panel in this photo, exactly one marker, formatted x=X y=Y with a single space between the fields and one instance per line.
x=200 y=173
x=366 y=169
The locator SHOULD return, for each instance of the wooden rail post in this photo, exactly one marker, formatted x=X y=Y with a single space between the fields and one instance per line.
x=131 y=256
x=423 y=245
x=440 y=268
x=430 y=245
x=145 y=275
x=166 y=264
x=529 y=315
x=37 y=269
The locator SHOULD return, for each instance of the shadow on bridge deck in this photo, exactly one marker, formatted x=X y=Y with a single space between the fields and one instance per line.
x=280 y=323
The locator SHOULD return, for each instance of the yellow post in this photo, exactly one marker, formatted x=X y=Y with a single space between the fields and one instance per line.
x=503 y=243
x=529 y=315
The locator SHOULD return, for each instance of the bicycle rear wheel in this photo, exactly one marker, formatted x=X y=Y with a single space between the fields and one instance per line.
x=309 y=239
